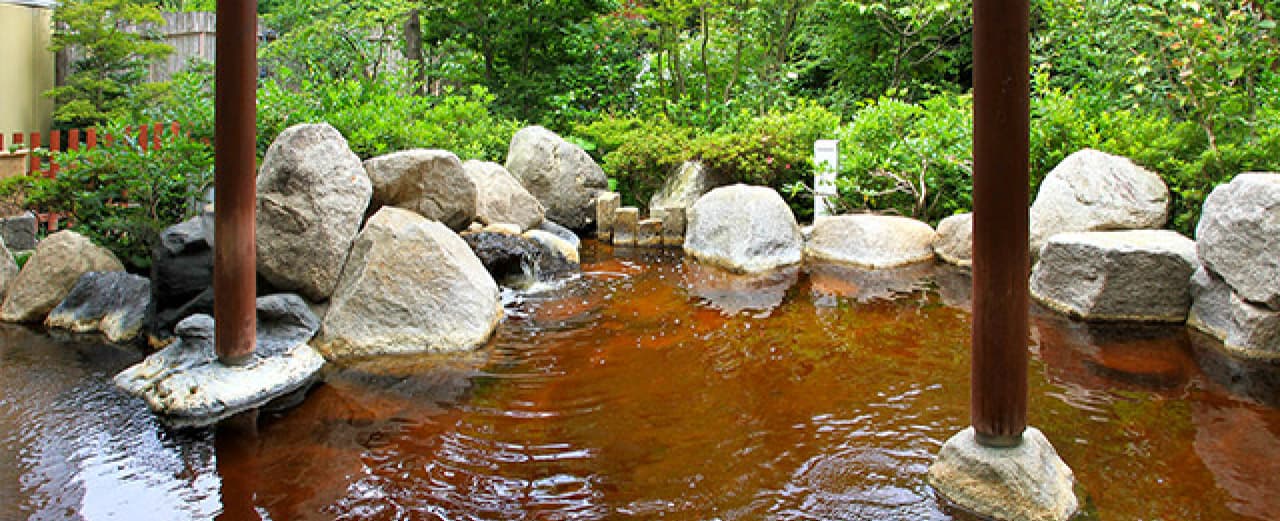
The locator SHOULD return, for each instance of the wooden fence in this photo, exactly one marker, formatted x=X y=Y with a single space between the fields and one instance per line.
x=148 y=137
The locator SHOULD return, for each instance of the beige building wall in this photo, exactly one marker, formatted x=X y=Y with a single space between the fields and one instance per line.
x=26 y=69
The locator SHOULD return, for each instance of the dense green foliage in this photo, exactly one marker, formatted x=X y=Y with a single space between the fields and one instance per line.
x=1186 y=88
x=110 y=63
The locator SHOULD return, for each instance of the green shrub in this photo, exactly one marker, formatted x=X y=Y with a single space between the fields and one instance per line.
x=638 y=155
x=122 y=197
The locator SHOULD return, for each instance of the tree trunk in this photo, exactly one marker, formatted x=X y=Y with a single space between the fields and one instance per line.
x=413 y=50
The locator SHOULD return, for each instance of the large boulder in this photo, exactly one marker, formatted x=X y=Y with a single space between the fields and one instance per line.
x=1133 y=275
x=955 y=240
x=1096 y=191
x=683 y=188
x=743 y=229
x=411 y=286
x=312 y=195
x=8 y=269
x=1246 y=329
x=870 y=241
x=500 y=198
x=113 y=302
x=1238 y=237
x=432 y=183
x=560 y=174
x=51 y=272
x=187 y=385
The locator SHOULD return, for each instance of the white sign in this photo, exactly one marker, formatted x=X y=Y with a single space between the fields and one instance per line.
x=826 y=164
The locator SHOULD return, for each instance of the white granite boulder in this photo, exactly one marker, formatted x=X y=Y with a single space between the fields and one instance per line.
x=431 y=183
x=1246 y=329
x=51 y=272
x=870 y=241
x=1096 y=191
x=1133 y=275
x=559 y=174
x=312 y=195
x=955 y=240
x=1238 y=236
x=411 y=286
x=743 y=228
x=683 y=187
x=500 y=198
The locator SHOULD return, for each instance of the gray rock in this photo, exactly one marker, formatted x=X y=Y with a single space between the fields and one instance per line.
x=1245 y=329
x=683 y=188
x=561 y=232
x=19 y=231
x=1096 y=191
x=673 y=225
x=557 y=256
x=509 y=258
x=607 y=204
x=1238 y=236
x=500 y=198
x=114 y=303
x=181 y=264
x=560 y=174
x=411 y=286
x=432 y=183
x=1133 y=275
x=744 y=229
x=50 y=273
x=955 y=240
x=870 y=241
x=188 y=386
x=312 y=195
x=8 y=269
x=1028 y=482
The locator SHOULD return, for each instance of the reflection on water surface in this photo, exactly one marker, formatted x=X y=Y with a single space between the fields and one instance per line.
x=652 y=388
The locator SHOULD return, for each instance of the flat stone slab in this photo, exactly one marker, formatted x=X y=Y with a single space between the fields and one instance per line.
x=1133 y=275
x=187 y=385
x=870 y=241
x=1028 y=482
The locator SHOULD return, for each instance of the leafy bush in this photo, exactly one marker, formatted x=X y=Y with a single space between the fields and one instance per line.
x=908 y=158
x=122 y=197
x=638 y=154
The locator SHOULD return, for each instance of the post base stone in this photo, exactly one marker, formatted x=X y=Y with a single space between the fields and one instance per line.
x=1027 y=482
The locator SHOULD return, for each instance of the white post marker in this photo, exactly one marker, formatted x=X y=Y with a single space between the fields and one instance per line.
x=826 y=164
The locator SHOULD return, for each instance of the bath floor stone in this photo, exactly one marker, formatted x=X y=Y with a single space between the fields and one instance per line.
x=1028 y=482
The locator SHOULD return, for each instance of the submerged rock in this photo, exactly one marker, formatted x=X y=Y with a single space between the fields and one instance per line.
x=870 y=241
x=411 y=286
x=557 y=256
x=560 y=174
x=955 y=240
x=312 y=195
x=432 y=183
x=51 y=272
x=1238 y=236
x=1245 y=329
x=509 y=258
x=188 y=386
x=743 y=228
x=500 y=198
x=1134 y=275
x=1096 y=191
x=733 y=293
x=114 y=303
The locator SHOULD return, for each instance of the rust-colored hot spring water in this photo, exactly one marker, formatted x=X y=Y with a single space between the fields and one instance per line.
x=652 y=388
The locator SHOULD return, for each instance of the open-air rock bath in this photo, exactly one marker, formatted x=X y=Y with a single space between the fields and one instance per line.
x=418 y=253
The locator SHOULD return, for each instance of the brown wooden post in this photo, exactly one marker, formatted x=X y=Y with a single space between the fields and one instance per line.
x=91 y=138
x=1001 y=194
x=235 y=252
x=55 y=145
x=32 y=145
x=144 y=137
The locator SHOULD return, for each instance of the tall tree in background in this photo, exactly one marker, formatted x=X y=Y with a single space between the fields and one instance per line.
x=110 y=64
